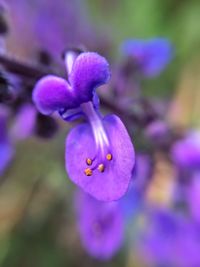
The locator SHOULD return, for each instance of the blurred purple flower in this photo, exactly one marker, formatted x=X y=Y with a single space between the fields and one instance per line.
x=157 y=239
x=52 y=26
x=22 y=127
x=99 y=153
x=67 y=19
x=157 y=130
x=187 y=245
x=186 y=152
x=193 y=196
x=6 y=148
x=170 y=239
x=150 y=56
x=133 y=200
x=100 y=224
x=24 y=123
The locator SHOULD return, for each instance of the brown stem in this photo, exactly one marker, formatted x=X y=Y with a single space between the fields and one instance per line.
x=33 y=73
x=23 y=69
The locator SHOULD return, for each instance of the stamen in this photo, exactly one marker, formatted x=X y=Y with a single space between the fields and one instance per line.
x=101 y=167
x=88 y=172
x=89 y=161
x=109 y=156
x=102 y=154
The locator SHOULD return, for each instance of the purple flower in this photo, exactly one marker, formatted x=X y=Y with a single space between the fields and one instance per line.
x=187 y=246
x=68 y=19
x=186 y=152
x=99 y=153
x=193 y=196
x=22 y=127
x=157 y=130
x=131 y=203
x=52 y=25
x=100 y=224
x=6 y=149
x=170 y=239
x=156 y=242
x=151 y=56
x=24 y=123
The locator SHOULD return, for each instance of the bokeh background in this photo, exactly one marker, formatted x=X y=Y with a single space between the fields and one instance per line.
x=37 y=221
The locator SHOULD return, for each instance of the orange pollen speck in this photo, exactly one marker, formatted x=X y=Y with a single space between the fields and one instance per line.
x=89 y=161
x=109 y=156
x=101 y=168
x=88 y=172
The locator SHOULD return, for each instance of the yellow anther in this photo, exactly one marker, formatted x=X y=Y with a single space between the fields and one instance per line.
x=101 y=168
x=109 y=156
x=89 y=161
x=88 y=172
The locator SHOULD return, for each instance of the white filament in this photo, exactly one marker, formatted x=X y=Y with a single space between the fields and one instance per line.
x=69 y=61
x=100 y=136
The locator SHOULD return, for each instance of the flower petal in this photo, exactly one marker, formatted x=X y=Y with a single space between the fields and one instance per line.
x=24 y=123
x=101 y=225
x=193 y=196
x=4 y=115
x=6 y=155
x=151 y=55
x=52 y=93
x=132 y=202
x=6 y=149
x=113 y=183
x=90 y=70
x=186 y=152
